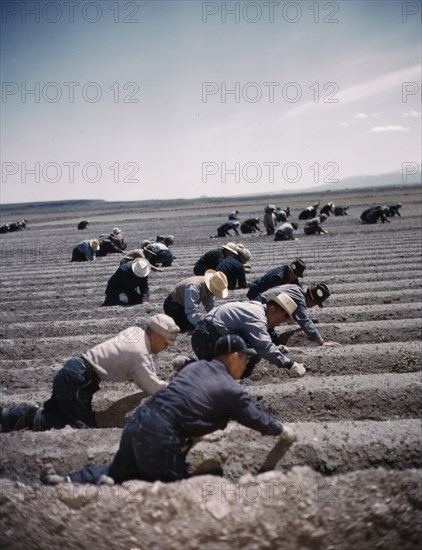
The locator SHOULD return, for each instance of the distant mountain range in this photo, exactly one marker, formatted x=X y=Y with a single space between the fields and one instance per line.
x=355 y=182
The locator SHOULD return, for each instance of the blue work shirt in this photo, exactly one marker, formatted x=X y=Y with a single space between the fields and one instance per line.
x=248 y=320
x=234 y=271
x=204 y=397
x=275 y=277
x=300 y=315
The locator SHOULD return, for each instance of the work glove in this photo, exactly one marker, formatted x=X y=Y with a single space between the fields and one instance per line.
x=297 y=370
x=123 y=298
x=331 y=344
x=287 y=436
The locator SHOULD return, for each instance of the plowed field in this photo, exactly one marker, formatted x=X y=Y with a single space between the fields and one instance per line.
x=353 y=478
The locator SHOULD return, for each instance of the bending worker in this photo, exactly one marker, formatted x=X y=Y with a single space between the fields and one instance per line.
x=123 y=358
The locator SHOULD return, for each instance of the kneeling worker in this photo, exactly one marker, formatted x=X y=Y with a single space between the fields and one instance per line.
x=125 y=357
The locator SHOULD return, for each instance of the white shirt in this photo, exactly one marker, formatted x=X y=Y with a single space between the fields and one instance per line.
x=126 y=357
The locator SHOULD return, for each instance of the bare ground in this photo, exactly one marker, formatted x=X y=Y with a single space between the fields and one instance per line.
x=352 y=479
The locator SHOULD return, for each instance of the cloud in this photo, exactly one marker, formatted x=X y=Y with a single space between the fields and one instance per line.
x=389 y=128
x=414 y=114
x=377 y=86
x=345 y=124
x=361 y=115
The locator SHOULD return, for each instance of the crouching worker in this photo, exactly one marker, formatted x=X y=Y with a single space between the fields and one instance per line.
x=85 y=251
x=252 y=321
x=201 y=399
x=129 y=285
x=184 y=301
x=126 y=357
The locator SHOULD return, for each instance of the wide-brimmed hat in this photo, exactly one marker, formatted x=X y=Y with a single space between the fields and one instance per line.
x=244 y=253
x=94 y=244
x=217 y=283
x=148 y=248
x=232 y=343
x=285 y=302
x=231 y=247
x=141 y=267
x=298 y=267
x=318 y=293
x=165 y=326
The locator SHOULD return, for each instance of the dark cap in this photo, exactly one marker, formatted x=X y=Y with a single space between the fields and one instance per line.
x=319 y=293
x=231 y=343
x=298 y=267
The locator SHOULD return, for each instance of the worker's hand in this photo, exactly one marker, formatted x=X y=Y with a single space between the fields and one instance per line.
x=283 y=349
x=123 y=298
x=287 y=436
x=297 y=370
x=331 y=344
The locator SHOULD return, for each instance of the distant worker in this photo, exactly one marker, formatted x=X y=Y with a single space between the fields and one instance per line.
x=168 y=240
x=185 y=298
x=315 y=295
x=212 y=258
x=112 y=244
x=393 y=209
x=282 y=215
x=252 y=322
x=328 y=209
x=270 y=219
x=129 y=284
x=117 y=237
x=340 y=210
x=281 y=275
x=147 y=252
x=250 y=225
x=127 y=357
x=85 y=251
x=309 y=212
x=234 y=215
x=233 y=268
x=285 y=232
x=373 y=215
x=224 y=229
x=83 y=224
x=163 y=255
x=313 y=227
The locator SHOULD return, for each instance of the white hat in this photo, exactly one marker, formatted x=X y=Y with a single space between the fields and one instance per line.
x=285 y=302
x=164 y=325
x=141 y=267
x=231 y=247
x=116 y=230
x=217 y=283
x=94 y=244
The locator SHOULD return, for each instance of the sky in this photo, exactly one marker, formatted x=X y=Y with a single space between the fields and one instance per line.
x=121 y=100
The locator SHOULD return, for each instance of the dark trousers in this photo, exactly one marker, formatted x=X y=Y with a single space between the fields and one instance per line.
x=203 y=342
x=78 y=256
x=112 y=297
x=177 y=313
x=163 y=257
x=150 y=449
x=70 y=403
